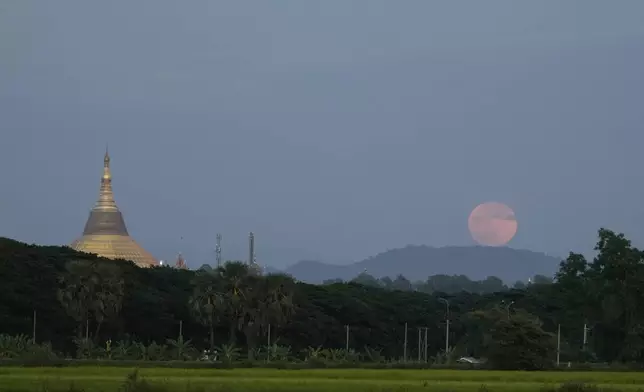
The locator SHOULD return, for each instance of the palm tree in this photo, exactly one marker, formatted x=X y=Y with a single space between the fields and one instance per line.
x=207 y=301
x=279 y=298
x=250 y=302
x=236 y=289
x=77 y=292
x=268 y=301
x=109 y=294
x=91 y=288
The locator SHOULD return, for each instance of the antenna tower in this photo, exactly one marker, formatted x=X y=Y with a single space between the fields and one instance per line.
x=251 y=248
x=218 y=250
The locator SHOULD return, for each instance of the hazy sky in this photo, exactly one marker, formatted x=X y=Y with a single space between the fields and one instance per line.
x=333 y=129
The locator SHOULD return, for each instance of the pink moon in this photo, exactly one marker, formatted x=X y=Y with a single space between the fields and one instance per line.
x=492 y=224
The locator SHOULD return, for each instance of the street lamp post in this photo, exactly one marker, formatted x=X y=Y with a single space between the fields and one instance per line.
x=446 y=324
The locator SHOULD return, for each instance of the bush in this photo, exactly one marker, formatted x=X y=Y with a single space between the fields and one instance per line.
x=23 y=348
x=578 y=387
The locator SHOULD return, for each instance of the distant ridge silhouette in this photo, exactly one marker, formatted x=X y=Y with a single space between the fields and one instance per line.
x=417 y=262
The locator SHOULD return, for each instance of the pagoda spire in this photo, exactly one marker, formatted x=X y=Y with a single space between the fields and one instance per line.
x=106 y=196
x=105 y=217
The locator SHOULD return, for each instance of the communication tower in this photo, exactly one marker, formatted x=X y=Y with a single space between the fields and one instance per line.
x=218 y=250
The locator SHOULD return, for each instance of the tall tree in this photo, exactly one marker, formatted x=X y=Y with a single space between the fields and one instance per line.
x=207 y=301
x=366 y=280
x=91 y=289
x=236 y=289
x=273 y=306
x=516 y=341
x=109 y=294
x=401 y=283
x=76 y=292
x=616 y=277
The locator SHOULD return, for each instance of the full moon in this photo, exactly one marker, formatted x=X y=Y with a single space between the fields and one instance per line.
x=492 y=224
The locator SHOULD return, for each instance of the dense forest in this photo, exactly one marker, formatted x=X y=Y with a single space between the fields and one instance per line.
x=449 y=284
x=77 y=301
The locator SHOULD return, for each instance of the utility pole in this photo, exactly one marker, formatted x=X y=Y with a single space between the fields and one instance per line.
x=446 y=324
x=558 y=344
x=269 y=336
x=218 y=250
x=33 y=332
x=586 y=330
x=405 y=345
x=426 y=344
x=419 y=342
x=268 y=345
x=346 y=344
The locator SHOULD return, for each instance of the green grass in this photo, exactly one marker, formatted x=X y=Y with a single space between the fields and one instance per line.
x=110 y=379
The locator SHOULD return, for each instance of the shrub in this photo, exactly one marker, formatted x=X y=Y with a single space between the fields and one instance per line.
x=133 y=383
x=578 y=387
x=24 y=349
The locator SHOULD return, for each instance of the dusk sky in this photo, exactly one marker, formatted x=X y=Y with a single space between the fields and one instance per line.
x=333 y=129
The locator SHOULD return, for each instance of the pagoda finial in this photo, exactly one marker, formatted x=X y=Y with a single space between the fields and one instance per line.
x=106 y=197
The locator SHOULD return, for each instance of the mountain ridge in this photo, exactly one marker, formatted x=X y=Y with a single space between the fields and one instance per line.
x=417 y=262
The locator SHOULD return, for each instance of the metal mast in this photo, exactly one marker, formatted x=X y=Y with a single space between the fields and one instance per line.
x=251 y=248
x=218 y=250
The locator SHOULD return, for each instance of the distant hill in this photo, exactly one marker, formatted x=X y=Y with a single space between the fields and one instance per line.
x=419 y=262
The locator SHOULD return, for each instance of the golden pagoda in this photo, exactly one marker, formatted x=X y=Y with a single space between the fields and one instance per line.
x=105 y=233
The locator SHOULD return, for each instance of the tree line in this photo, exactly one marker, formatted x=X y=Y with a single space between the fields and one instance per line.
x=71 y=299
x=450 y=284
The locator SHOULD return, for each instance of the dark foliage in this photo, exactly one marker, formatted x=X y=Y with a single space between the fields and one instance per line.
x=159 y=304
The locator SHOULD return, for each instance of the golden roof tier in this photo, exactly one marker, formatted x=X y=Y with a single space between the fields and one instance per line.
x=105 y=233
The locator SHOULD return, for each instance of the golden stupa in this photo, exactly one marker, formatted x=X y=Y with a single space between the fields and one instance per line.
x=105 y=233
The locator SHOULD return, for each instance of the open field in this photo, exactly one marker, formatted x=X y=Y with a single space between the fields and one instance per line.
x=320 y=380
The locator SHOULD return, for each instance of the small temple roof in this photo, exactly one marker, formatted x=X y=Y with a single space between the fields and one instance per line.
x=181 y=262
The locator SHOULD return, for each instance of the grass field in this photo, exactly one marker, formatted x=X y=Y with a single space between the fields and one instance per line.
x=109 y=379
